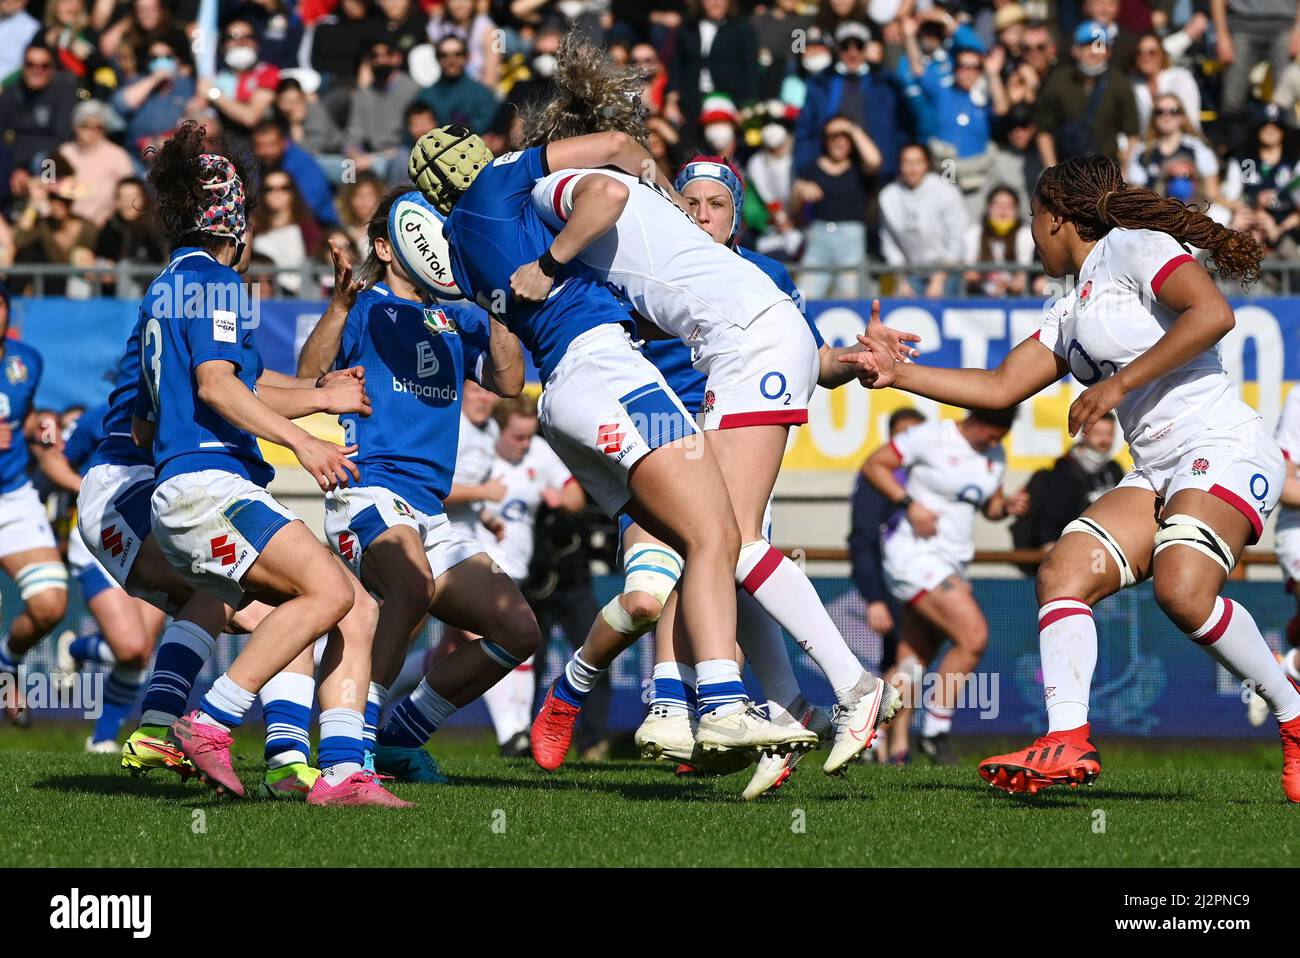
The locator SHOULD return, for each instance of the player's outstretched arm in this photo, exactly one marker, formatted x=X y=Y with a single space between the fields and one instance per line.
x=221 y=390
x=1204 y=317
x=504 y=372
x=322 y=347
x=596 y=205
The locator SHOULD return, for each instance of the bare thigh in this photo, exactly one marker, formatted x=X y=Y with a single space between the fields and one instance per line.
x=1079 y=566
x=750 y=458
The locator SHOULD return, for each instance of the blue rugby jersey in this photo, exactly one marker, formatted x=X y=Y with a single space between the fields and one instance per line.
x=20 y=374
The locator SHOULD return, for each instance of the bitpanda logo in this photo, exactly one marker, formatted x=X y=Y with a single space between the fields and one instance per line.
x=446 y=393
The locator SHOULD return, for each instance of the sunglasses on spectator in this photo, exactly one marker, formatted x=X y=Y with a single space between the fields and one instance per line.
x=968 y=64
x=852 y=43
x=453 y=52
x=1036 y=47
x=38 y=64
x=1148 y=51
x=1169 y=111
x=278 y=187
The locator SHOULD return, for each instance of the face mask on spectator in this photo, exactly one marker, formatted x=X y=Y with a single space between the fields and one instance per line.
x=544 y=65
x=1093 y=69
x=1090 y=460
x=720 y=136
x=572 y=9
x=1002 y=227
x=774 y=136
x=241 y=58
x=816 y=62
x=163 y=65
x=381 y=74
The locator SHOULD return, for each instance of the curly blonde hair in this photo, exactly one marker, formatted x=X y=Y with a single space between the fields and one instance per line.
x=592 y=95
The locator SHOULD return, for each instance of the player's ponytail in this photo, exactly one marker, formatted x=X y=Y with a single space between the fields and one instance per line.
x=372 y=269
x=592 y=95
x=1090 y=192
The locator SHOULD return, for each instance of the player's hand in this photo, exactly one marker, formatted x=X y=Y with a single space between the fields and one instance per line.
x=1093 y=403
x=882 y=349
x=341 y=393
x=553 y=498
x=879 y=617
x=494 y=525
x=327 y=463
x=1018 y=504
x=925 y=522
x=354 y=372
x=493 y=490
x=345 y=287
x=530 y=284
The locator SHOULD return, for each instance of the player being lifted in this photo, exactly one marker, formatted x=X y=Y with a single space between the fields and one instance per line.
x=1140 y=331
x=212 y=516
x=390 y=526
x=749 y=338
x=606 y=411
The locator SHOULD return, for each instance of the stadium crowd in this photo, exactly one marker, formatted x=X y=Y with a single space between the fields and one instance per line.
x=906 y=133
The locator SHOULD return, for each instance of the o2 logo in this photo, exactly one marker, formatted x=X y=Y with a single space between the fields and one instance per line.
x=1087 y=371
x=513 y=510
x=772 y=385
x=1259 y=488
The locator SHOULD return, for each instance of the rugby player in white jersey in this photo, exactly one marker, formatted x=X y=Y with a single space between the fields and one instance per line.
x=1286 y=540
x=1140 y=331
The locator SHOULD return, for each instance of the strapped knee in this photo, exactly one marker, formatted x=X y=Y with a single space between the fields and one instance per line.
x=652 y=569
x=40 y=576
x=1085 y=525
x=1193 y=532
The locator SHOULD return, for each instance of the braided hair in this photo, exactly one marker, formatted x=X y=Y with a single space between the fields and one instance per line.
x=1090 y=192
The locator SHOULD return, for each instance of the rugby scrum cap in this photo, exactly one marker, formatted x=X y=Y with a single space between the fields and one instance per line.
x=715 y=168
x=444 y=162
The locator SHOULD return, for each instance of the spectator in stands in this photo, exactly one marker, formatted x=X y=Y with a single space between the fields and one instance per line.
x=279 y=30
x=457 y=97
x=930 y=42
x=869 y=511
x=129 y=235
x=1001 y=236
x=245 y=87
x=1122 y=41
x=310 y=125
x=871 y=99
x=49 y=232
x=97 y=163
x=770 y=174
x=834 y=190
x=402 y=24
x=357 y=204
x=1018 y=164
x=17 y=28
x=719 y=125
x=376 y=127
x=276 y=151
x=923 y=222
x=1261 y=185
x=128 y=40
x=539 y=86
x=1154 y=74
x=1248 y=31
x=336 y=45
x=1038 y=48
x=154 y=101
x=1286 y=94
x=418 y=120
x=460 y=18
x=1174 y=161
x=285 y=231
x=1084 y=106
x=1009 y=30
x=646 y=59
x=664 y=143
x=778 y=30
x=69 y=34
x=715 y=51
x=36 y=112
x=1058 y=496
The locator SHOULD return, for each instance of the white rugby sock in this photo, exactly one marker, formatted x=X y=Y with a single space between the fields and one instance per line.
x=937 y=721
x=1067 y=645
x=787 y=595
x=1232 y=639
x=761 y=639
x=1291 y=664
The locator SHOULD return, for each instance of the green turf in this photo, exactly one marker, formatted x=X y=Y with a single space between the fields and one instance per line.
x=1171 y=805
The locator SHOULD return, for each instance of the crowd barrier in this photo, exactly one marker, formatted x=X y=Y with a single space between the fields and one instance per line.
x=1151 y=681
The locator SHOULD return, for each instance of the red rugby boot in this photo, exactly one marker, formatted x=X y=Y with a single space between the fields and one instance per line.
x=1057 y=758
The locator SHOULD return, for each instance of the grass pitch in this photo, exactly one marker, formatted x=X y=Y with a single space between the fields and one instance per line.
x=1170 y=805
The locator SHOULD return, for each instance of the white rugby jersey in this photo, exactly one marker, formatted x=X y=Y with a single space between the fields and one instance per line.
x=1112 y=317
x=947 y=475
x=524 y=480
x=661 y=262
x=1288 y=437
x=474 y=457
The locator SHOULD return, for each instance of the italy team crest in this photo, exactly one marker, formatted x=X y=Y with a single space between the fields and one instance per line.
x=437 y=321
x=15 y=370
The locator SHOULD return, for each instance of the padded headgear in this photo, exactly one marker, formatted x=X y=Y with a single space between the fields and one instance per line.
x=716 y=168
x=444 y=162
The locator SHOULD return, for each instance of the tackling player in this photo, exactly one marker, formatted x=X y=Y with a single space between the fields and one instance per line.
x=1140 y=333
x=390 y=526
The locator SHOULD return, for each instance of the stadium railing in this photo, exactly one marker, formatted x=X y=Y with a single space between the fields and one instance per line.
x=1279 y=276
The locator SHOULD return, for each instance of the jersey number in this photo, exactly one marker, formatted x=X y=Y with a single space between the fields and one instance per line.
x=151 y=347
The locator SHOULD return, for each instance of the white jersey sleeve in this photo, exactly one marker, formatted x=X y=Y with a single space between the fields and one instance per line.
x=1288 y=426
x=1050 y=333
x=1145 y=259
x=913 y=444
x=553 y=196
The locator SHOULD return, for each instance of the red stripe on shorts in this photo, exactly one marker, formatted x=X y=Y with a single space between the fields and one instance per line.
x=763 y=570
x=1242 y=506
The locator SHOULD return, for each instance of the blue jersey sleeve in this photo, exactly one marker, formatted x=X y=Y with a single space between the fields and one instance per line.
x=475 y=341
x=350 y=341
x=86 y=434
x=215 y=333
